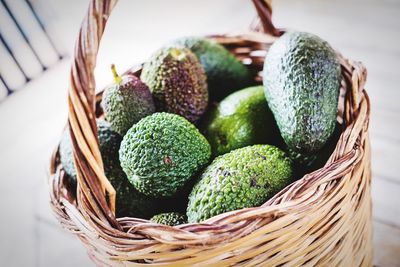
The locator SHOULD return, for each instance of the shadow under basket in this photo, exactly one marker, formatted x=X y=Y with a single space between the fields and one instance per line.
x=322 y=219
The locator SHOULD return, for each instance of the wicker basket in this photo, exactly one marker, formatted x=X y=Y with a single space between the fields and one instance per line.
x=322 y=219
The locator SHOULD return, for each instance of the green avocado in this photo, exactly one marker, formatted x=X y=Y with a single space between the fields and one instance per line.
x=162 y=152
x=307 y=163
x=225 y=74
x=169 y=218
x=109 y=142
x=177 y=81
x=129 y=202
x=178 y=202
x=66 y=155
x=301 y=78
x=126 y=101
x=243 y=178
x=241 y=119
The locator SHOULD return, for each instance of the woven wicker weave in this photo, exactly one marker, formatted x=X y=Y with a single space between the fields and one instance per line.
x=322 y=219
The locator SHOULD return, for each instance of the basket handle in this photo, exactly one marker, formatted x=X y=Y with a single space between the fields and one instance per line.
x=93 y=186
x=264 y=11
x=92 y=183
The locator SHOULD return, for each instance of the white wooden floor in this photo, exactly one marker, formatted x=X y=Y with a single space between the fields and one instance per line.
x=32 y=119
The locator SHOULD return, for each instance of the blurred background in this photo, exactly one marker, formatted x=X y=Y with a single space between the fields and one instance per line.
x=36 y=45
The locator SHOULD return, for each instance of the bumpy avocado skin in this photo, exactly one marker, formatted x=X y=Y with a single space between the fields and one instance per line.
x=66 y=155
x=177 y=81
x=241 y=119
x=302 y=79
x=109 y=142
x=161 y=153
x=129 y=202
x=306 y=163
x=225 y=74
x=126 y=103
x=169 y=218
x=245 y=177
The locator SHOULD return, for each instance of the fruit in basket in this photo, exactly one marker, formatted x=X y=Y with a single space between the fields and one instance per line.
x=177 y=81
x=109 y=142
x=306 y=163
x=126 y=101
x=178 y=202
x=303 y=161
x=169 y=218
x=324 y=154
x=162 y=152
x=66 y=155
x=245 y=177
x=241 y=119
x=301 y=78
x=129 y=202
x=225 y=74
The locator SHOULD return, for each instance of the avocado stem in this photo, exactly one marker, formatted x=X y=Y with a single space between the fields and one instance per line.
x=117 y=78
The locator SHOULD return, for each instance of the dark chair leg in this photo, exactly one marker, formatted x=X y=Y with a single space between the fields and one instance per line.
x=27 y=79
x=41 y=24
x=23 y=34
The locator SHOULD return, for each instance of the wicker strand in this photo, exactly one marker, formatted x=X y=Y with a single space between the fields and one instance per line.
x=264 y=11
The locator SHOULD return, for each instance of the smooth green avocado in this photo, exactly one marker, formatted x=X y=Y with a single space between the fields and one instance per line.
x=129 y=202
x=225 y=73
x=245 y=177
x=162 y=152
x=177 y=81
x=241 y=119
x=169 y=218
x=301 y=78
x=126 y=101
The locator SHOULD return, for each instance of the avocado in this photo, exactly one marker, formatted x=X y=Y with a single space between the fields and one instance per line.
x=243 y=178
x=129 y=202
x=126 y=101
x=301 y=79
x=324 y=154
x=177 y=81
x=225 y=74
x=307 y=163
x=109 y=142
x=66 y=156
x=178 y=202
x=169 y=218
x=161 y=153
x=241 y=119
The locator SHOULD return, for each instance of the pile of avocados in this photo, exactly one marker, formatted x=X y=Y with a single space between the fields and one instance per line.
x=194 y=136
